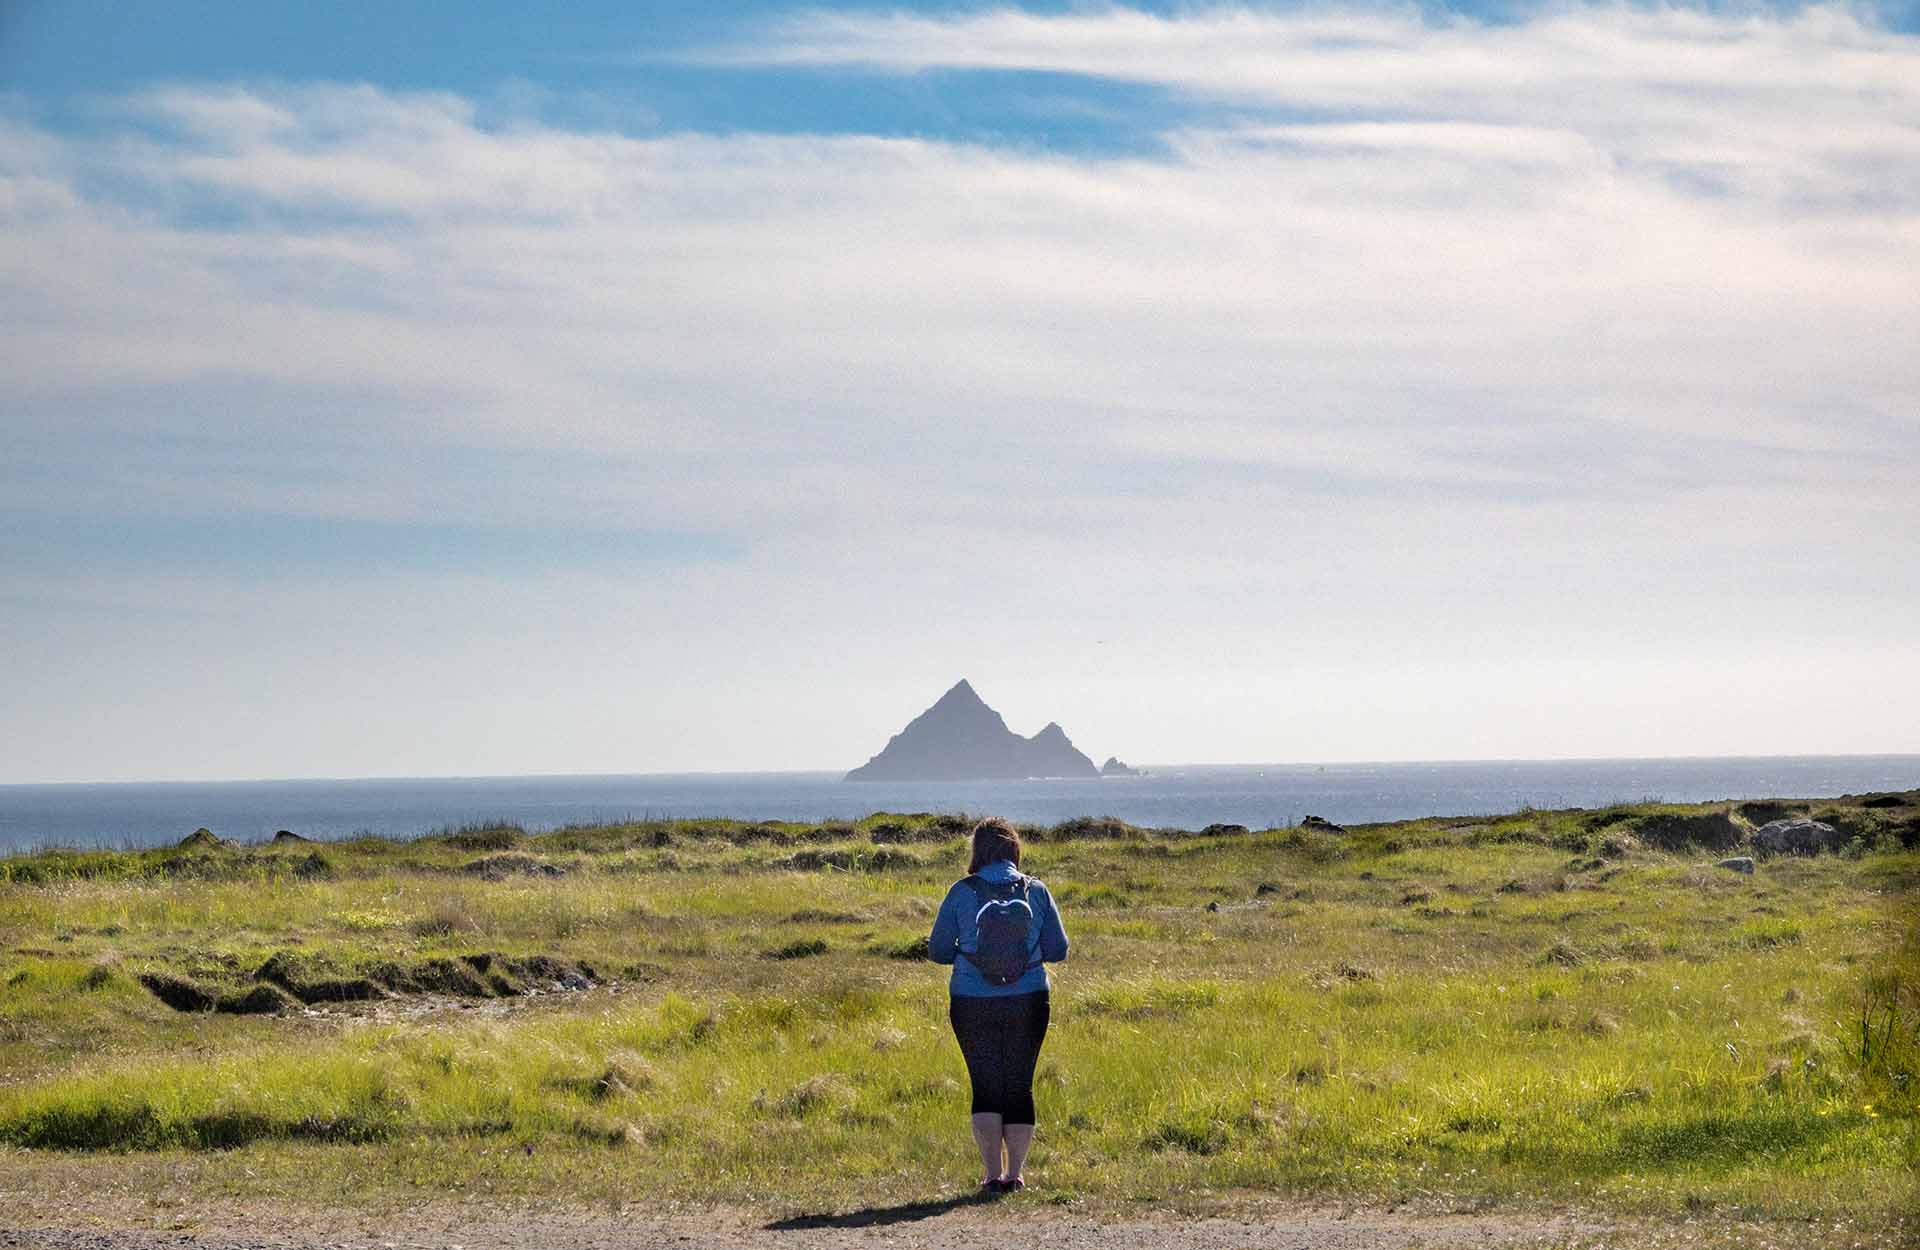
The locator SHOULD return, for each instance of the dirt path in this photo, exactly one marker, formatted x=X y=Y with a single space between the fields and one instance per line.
x=957 y=1225
x=89 y=1210
x=1324 y=1232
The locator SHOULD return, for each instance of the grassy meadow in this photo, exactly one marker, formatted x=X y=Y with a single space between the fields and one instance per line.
x=1545 y=1008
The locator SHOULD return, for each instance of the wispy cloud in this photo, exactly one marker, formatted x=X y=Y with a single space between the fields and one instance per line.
x=1608 y=297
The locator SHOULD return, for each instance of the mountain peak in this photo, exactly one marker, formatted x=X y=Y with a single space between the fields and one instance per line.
x=961 y=691
x=960 y=738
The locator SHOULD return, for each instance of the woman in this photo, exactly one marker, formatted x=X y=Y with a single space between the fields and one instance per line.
x=998 y=927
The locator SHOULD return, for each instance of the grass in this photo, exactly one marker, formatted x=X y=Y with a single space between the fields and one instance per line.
x=1536 y=1008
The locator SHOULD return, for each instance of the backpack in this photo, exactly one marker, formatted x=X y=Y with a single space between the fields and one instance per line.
x=1005 y=922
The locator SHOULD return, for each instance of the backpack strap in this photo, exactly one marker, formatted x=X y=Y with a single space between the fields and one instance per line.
x=984 y=891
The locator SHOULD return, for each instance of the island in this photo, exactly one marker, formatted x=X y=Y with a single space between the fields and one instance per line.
x=960 y=738
x=1115 y=768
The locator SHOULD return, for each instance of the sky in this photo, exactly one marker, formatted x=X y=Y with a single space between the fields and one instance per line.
x=468 y=389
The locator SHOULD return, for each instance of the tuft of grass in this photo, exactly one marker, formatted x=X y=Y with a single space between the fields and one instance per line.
x=1199 y=1138
x=809 y=1096
x=625 y=1074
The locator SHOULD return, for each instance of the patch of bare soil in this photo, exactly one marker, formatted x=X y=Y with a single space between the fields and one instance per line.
x=286 y=982
x=448 y=1008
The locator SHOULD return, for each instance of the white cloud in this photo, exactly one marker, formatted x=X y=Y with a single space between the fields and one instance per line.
x=1598 y=325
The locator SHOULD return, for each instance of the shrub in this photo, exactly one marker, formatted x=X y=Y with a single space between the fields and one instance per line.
x=486 y=836
x=1081 y=828
x=1672 y=831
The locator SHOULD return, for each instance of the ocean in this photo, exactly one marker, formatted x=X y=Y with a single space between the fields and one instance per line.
x=1184 y=796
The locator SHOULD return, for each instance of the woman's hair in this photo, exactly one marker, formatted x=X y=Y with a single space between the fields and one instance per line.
x=994 y=838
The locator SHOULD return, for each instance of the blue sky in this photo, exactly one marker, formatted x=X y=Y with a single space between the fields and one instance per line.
x=619 y=66
x=406 y=390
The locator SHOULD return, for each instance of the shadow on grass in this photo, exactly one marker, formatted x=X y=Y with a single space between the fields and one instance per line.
x=876 y=1217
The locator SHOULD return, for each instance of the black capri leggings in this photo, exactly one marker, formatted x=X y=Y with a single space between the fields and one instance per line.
x=1000 y=1038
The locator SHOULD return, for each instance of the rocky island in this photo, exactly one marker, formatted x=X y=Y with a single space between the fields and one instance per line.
x=960 y=738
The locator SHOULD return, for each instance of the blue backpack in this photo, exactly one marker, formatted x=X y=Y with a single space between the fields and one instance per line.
x=1005 y=922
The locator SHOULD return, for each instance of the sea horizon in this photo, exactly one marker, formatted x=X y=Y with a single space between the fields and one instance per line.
x=841 y=772
x=131 y=814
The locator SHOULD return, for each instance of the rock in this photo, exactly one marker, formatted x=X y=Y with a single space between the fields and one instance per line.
x=1322 y=824
x=1736 y=863
x=1796 y=837
x=1224 y=831
x=1114 y=768
x=288 y=835
x=201 y=837
x=960 y=738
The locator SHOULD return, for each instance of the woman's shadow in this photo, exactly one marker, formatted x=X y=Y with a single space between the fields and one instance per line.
x=873 y=1217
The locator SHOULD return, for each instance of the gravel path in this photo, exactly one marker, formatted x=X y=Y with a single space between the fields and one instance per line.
x=912 y=1227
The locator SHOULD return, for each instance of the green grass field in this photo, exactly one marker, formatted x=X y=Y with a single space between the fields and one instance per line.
x=1546 y=1008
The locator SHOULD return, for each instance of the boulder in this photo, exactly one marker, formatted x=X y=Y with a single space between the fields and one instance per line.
x=1322 y=824
x=201 y=837
x=1796 y=837
x=1737 y=863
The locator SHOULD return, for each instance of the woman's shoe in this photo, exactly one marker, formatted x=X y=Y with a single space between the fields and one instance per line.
x=1012 y=1184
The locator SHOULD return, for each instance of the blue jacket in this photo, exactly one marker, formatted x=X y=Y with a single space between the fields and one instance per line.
x=954 y=932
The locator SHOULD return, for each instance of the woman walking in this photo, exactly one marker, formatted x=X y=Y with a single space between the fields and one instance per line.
x=998 y=928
